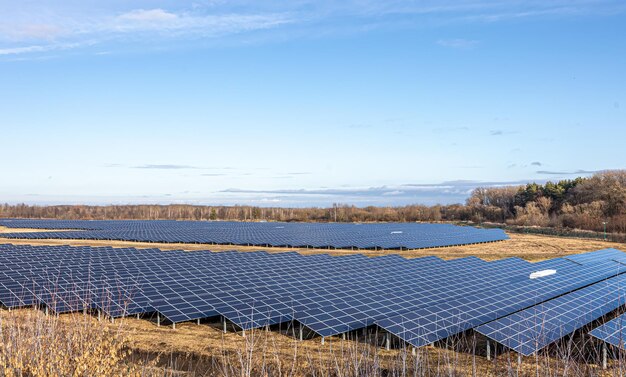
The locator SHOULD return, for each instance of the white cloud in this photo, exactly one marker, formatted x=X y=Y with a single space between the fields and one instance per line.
x=174 y=25
x=392 y=193
x=41 y=48
x=23 y=50
x=151 y=15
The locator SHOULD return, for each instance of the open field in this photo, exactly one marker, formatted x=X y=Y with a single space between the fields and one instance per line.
x=193 y=349
x=527 y=246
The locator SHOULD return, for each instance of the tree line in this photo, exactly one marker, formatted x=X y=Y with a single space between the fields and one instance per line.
x=582 y=203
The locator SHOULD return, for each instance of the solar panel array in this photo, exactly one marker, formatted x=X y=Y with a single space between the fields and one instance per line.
x=419 y=300
x=430 y=322
x=532 y=329
x=315 y=235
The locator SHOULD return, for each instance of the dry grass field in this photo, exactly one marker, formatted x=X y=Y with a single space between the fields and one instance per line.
x=140 y=347
x=79 y=344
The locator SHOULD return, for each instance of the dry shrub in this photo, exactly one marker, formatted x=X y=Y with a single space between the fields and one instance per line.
x=36 y=344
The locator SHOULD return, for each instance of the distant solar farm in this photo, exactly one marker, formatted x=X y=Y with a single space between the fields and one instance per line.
x=521 y=305
x=295 y=235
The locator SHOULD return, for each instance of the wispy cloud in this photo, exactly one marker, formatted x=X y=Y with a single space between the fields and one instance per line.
x=38 y=27
x=502 y=132
x=166 y=167
x=575 y=172
x=43 y=48
x=150 y=15
x=458 y=43
x=393 y=193
x=60 y=31
x=176 y=24
x=550 y=8
x=172 y=166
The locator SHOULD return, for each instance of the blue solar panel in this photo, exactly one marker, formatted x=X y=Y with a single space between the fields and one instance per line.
x=317 y=235
x=532 y=329
x=595 y=256
x=612 y=332
x=425 y=324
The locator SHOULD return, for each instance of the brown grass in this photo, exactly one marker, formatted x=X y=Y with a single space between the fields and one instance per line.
x=77 y=344
x=35 y=344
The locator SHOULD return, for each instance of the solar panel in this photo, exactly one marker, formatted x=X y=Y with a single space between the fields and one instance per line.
x=534 y=328
x=315 y=235
x=425 y=324
x=594 y=256
x=612 y=332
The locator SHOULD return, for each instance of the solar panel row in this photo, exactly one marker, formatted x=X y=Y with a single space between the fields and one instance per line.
x=430 y=322
x=316 y=235
x=419 y=300
x=532 y=329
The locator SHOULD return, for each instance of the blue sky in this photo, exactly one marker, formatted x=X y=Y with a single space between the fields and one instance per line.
x=305 y=102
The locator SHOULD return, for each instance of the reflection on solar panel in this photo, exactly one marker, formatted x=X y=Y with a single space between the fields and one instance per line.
x=316 y=235
x=419 y=300
x=612 y=332
x=532 y=329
